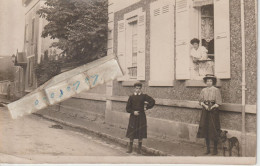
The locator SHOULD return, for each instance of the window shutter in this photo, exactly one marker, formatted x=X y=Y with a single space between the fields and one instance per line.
x=141 y=46
x=162 y=43
x=121 y=47
x=182 y=40
x=222 y=38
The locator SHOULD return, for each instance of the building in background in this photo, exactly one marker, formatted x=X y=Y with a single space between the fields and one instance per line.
x=35 y=47
x=10 y=78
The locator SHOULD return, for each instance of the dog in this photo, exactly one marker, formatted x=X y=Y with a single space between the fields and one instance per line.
x=228 y=143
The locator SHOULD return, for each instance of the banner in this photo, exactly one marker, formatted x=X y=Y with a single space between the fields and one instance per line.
x=66 y=85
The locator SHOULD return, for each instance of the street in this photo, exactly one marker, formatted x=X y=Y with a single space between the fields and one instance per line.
x=32 y=135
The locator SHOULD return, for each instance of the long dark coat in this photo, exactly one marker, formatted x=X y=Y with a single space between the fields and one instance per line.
x=209 y=126
x=137 y=127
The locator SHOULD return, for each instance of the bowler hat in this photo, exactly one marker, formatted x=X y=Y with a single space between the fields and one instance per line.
x=138 y=84
x=210 y=76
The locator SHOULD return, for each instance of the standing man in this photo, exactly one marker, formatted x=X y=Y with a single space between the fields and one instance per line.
x=137 y=104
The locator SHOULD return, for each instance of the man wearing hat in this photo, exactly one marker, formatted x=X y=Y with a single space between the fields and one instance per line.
x=137 y=104
x=210 y=100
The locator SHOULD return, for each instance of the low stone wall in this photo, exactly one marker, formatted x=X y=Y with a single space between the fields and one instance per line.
x=182 y=123
x=77 y=110
x=179 y=123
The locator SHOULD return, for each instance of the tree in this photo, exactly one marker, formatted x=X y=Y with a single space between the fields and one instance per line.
x=46 y=70
x=80 y=26
x=7 y=74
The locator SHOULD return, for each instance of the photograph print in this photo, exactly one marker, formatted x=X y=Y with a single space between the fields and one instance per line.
x=128 y=81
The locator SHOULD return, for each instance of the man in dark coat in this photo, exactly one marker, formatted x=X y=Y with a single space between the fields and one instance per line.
x=137 y=104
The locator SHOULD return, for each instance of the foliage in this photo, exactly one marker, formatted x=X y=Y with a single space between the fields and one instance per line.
x=79 y=25
x=7 y=74
x=46 y=70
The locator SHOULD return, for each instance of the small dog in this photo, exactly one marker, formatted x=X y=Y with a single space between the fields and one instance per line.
x=228 y=143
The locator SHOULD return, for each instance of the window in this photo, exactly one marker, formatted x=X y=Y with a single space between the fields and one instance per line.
x=204 y=64
x=207 y=29
x=210 y=23
x=32 y=39
x=30 y=71
x=132 y=69
x=26 y=33
x=131 y=45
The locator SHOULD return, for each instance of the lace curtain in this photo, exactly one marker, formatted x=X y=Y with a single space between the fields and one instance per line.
x=207 y=23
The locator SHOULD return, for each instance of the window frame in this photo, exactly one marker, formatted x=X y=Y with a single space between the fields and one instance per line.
x=199 y=24
x=195 y=81
x=129 y=23
x=130 y=17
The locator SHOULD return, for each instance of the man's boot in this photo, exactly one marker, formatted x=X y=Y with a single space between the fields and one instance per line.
x=139 y=147
x=215 y=151
x=130 y=147
x=208 y=147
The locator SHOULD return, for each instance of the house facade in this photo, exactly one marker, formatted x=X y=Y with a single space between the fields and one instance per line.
x=35 y=47
x=151 y=39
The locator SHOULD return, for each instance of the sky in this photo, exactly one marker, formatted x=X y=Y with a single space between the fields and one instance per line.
x=11 y=26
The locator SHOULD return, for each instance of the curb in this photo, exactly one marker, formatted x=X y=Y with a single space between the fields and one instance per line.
x=119 y=141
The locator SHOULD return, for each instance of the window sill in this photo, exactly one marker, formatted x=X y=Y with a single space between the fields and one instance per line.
x=161 y=83
x=199 y=83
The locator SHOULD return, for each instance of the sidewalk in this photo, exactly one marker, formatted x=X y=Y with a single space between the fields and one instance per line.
x=154 y=145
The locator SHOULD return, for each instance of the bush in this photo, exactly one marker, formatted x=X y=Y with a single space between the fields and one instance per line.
x=46 y=70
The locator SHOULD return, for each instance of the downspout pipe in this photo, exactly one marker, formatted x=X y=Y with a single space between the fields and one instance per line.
x=243 y=136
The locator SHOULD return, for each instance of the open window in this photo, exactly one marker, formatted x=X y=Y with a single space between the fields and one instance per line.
x=204 y=63
x=207 y=20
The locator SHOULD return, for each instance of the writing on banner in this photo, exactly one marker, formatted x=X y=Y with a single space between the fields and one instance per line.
x=66 y=85
x=65 y=90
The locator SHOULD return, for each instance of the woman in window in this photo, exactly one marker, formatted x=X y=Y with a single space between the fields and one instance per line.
x=210 y=100
x=199 y=55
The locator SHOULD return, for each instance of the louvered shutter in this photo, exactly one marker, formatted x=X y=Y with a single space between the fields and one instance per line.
x=222 y=38
x=141 y=46
x=121 y=47
x=162 y=43
x=182 y=40
x=128 y=48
